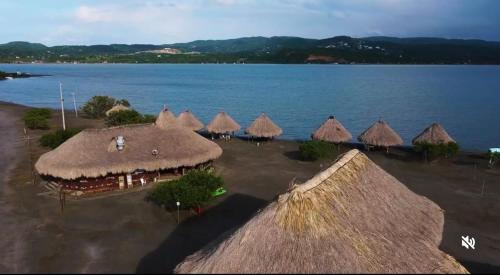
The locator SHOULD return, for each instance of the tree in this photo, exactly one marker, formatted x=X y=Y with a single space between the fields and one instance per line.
x=54 y=139
x=97 y=106
x=125 y=117
x=192 y=190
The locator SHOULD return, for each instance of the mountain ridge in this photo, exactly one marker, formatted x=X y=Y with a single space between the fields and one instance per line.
x=275 y=49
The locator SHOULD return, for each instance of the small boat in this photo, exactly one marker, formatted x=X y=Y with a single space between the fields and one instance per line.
x=9 y=77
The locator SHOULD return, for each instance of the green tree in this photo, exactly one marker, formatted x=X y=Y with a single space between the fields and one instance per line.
x=54 y=139
x=97 y=106
x=125 y=117
x=192 y=190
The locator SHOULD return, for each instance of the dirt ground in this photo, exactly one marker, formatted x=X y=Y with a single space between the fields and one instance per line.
x=126 y=234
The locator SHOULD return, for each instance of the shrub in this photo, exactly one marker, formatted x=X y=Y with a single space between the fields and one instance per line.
x=494 y=158
x=316 y=149
x=128 y=117
x=437 y=150
x=54 y=139
x=192 y=190
x=37 y=118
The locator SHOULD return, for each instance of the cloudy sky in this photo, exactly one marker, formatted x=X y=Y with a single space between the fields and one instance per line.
x=56 y=22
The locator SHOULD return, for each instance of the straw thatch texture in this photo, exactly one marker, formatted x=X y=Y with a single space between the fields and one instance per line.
x=351 y=218
x=92 y=153
x=223 y=124
x=263 y=127
x=380 y=134
x=188 y=120
x=434 y=134
x=166 y=119
x=117 y=108
x=332 y=131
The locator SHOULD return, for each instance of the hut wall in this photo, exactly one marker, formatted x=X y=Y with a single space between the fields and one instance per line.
x=111 y=182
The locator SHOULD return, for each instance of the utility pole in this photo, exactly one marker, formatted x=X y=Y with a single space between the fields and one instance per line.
x=62 y=105
x=74 y=104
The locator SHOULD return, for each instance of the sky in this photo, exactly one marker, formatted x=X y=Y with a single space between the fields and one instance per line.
x=86 y=22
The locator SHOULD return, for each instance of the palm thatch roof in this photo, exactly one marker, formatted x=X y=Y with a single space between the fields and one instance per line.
x=166 y=119
x=332 y=131
x=434 y=134
x=188 y=120
x=117 y=108
x=351 y=218
x=380 y=134
x=93 y=153
x=223 y=124
x=264 y=127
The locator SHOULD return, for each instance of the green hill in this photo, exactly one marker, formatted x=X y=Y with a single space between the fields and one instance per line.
x=277 y=49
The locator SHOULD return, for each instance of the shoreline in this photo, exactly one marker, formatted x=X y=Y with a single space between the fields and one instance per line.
x=301 y=64
x=353 y=144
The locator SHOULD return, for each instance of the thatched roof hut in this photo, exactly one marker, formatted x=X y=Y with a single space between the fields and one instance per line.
x=263 y=127
x=434 y=134
x=380 y=134
x=223 y=124
x=188 y=120
x=117 y=108
x=351 y=218
x=93 y=153
x=166 y=119
x=332 y=131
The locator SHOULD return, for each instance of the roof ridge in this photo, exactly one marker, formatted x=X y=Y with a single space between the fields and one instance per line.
x=323 y=175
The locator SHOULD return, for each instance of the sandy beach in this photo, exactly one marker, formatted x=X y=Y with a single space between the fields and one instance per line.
x=124 y=233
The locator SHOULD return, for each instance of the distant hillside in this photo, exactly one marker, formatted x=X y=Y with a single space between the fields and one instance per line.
x=278 y=49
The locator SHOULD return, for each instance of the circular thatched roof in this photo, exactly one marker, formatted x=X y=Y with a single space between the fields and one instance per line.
x=92 y=153
x=434 y=134
x=166 y=119
x=223 y=124
x=188 y=120
x=380 y=134
x=332 y=131
x=263 y=127
x=117 y=108
x=351 y=218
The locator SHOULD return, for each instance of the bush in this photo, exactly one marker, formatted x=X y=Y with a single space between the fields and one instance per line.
x=97 y=106
x=123 y=102
x=37 y=118
x=125 y=117
x=316 y=149
x=192 y=190
x=494 y=158
x=54 y=139
x=437 y=150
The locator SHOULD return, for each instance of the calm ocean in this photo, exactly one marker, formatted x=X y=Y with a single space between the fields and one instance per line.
x=465 y=99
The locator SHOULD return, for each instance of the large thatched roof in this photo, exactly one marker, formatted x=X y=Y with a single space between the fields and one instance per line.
x=351 y=218
x=264 y=127
x=166 y=119
x=93 y=153
x=434 y=134
x=117 y=108
x=223 y=124
x=188 y=120
x=380 y=134
x=332 y=131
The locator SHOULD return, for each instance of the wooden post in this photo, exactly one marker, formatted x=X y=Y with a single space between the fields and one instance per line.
x=74 y=104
